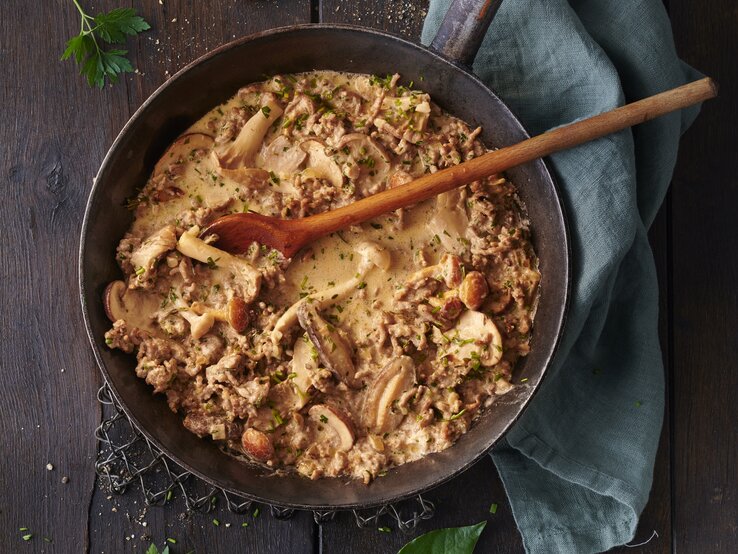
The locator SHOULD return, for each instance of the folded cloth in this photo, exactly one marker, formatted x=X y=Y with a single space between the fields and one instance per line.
x=578 y=465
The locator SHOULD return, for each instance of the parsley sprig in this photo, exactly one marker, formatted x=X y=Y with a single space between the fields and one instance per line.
x=96 y=63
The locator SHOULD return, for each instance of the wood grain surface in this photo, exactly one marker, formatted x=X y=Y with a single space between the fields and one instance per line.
x=54 y=132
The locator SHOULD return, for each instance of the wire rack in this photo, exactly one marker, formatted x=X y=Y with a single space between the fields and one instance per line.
x=126 y=459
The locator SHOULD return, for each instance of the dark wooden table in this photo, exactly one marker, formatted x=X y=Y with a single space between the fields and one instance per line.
x=54 y=132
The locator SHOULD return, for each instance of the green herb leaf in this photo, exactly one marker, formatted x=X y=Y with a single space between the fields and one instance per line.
x=96 y=64
x=116 y=24
x=152 y=549
x=453 y=540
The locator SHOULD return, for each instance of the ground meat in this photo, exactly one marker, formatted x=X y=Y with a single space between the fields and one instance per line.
x=388 y=360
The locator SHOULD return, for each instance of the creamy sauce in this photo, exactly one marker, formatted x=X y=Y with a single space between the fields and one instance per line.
x=375 y=345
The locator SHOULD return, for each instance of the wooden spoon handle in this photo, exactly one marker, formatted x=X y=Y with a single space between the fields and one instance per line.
x=500 y=160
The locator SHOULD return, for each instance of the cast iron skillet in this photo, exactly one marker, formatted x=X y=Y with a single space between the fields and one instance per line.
x=214 y=78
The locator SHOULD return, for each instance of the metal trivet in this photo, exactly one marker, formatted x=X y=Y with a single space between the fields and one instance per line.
x=125 y=458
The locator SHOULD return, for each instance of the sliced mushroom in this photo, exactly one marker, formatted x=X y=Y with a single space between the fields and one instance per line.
x=474 y=335
x=320 y=164
x=329 y=417
x=371 y=157
x=447 y=269
x=241 y=152
x=304 y=361
x=381 y=414
x=257 y=444
x=251 y=178
x=145 y=258
x=449 y=222
x=132 y=306
x=334 y=350
x=372 y=255
x=186 y=148
x=282 y=157
x=197 y=249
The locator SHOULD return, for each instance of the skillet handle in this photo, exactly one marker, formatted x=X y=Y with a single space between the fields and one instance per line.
x=462 y=30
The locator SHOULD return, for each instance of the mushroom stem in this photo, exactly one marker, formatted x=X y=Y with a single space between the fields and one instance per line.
x=241 y=152
x=193 y=247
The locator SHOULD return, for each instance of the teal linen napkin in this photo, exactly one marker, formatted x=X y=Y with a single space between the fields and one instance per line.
x=578 y=465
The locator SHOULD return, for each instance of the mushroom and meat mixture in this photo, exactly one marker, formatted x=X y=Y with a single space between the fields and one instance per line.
x=371 y=348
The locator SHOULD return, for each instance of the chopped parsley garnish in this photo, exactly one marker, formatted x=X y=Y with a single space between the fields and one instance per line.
x=211 y=263
x=266 y=110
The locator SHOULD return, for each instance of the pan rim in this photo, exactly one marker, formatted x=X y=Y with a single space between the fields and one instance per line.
x=83 y=288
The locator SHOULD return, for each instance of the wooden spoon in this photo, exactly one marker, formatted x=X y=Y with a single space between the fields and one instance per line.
x=237 y=231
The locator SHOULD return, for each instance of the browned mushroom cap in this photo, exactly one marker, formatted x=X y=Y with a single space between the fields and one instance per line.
x=334 y=351
x=238 y=316
x=337 y=421
x=132 y=306
x=186 y=148
x=257 y=444
x=380 y=413
x=320 y=164
x=473 y=290
x=235 y=313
